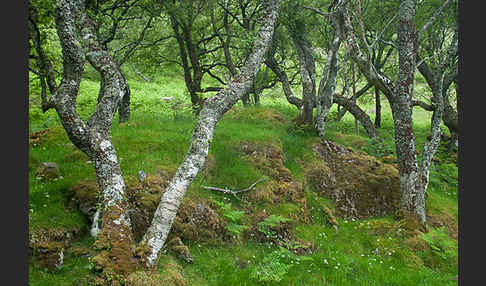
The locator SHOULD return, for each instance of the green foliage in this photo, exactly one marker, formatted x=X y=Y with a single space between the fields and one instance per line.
x=276 y=265
x=233 y=216
x=271 y=221
x=377 y=148
x=444 y=178
x=441 y=244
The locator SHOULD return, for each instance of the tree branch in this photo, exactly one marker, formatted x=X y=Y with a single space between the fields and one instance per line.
x=234 y=192
x=432 y=19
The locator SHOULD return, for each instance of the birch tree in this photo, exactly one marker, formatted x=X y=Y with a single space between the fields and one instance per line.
x=211 y=112
x=79 y=43
x=413 y=179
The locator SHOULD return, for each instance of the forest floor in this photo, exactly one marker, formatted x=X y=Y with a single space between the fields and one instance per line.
x=287 y=230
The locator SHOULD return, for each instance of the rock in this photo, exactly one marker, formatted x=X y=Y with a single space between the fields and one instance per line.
x=84 y=196
x=47 y=246
x=167 y=99
x=197 y=221
x=47 y=170
x=267 y=157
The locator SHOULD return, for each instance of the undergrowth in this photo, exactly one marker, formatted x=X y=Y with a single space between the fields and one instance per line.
x=366 y=252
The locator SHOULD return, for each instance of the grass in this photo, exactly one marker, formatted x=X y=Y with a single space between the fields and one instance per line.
x=365 y=252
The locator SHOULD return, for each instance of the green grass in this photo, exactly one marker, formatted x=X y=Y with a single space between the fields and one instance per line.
x=156 y=137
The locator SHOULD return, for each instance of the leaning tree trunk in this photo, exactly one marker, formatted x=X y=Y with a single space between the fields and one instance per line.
x=358 y=114
x=93 y=137
x=212 y=111
x=358 y=94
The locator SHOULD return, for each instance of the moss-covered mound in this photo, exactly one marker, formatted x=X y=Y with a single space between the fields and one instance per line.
x=39 y=137
x=360 y=185
x=282 y=188
x=268 y=157
x=48 y=245
x=195 y=220
x=269 y=115
x=172 y=276
x=144 y=197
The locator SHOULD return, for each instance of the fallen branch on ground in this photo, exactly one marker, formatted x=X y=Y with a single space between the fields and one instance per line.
x=234 y=192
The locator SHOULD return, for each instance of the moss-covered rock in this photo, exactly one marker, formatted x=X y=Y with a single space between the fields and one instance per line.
x=268 y=115
x=444 y=219
x=84 y=197
x=47 y=170
x=195 y=220
x=360 y=185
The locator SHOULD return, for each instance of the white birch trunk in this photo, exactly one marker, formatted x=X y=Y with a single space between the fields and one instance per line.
x=212 y=111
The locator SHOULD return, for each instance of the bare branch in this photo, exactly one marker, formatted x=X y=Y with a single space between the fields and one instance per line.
x=318 y=11
x=234 y=192
x=378 y=37
x=432 y=19
x=425 y=106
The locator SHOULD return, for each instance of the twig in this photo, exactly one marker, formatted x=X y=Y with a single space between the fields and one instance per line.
x=234 y=192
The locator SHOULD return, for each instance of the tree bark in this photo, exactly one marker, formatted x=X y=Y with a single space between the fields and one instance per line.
x=413 y=181
x=93 y=137
x=327 y=84
x=271 y=62
x=212 y=111
x=377 y=108
x=124 y=105
x=358 y=94
x=412 y=184
x=305 y=54
x=358 y=113
x=47 y=76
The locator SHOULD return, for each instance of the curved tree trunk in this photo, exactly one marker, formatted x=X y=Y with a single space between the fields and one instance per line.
x=93 y=137
x=212 y=111
x=282 y=75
